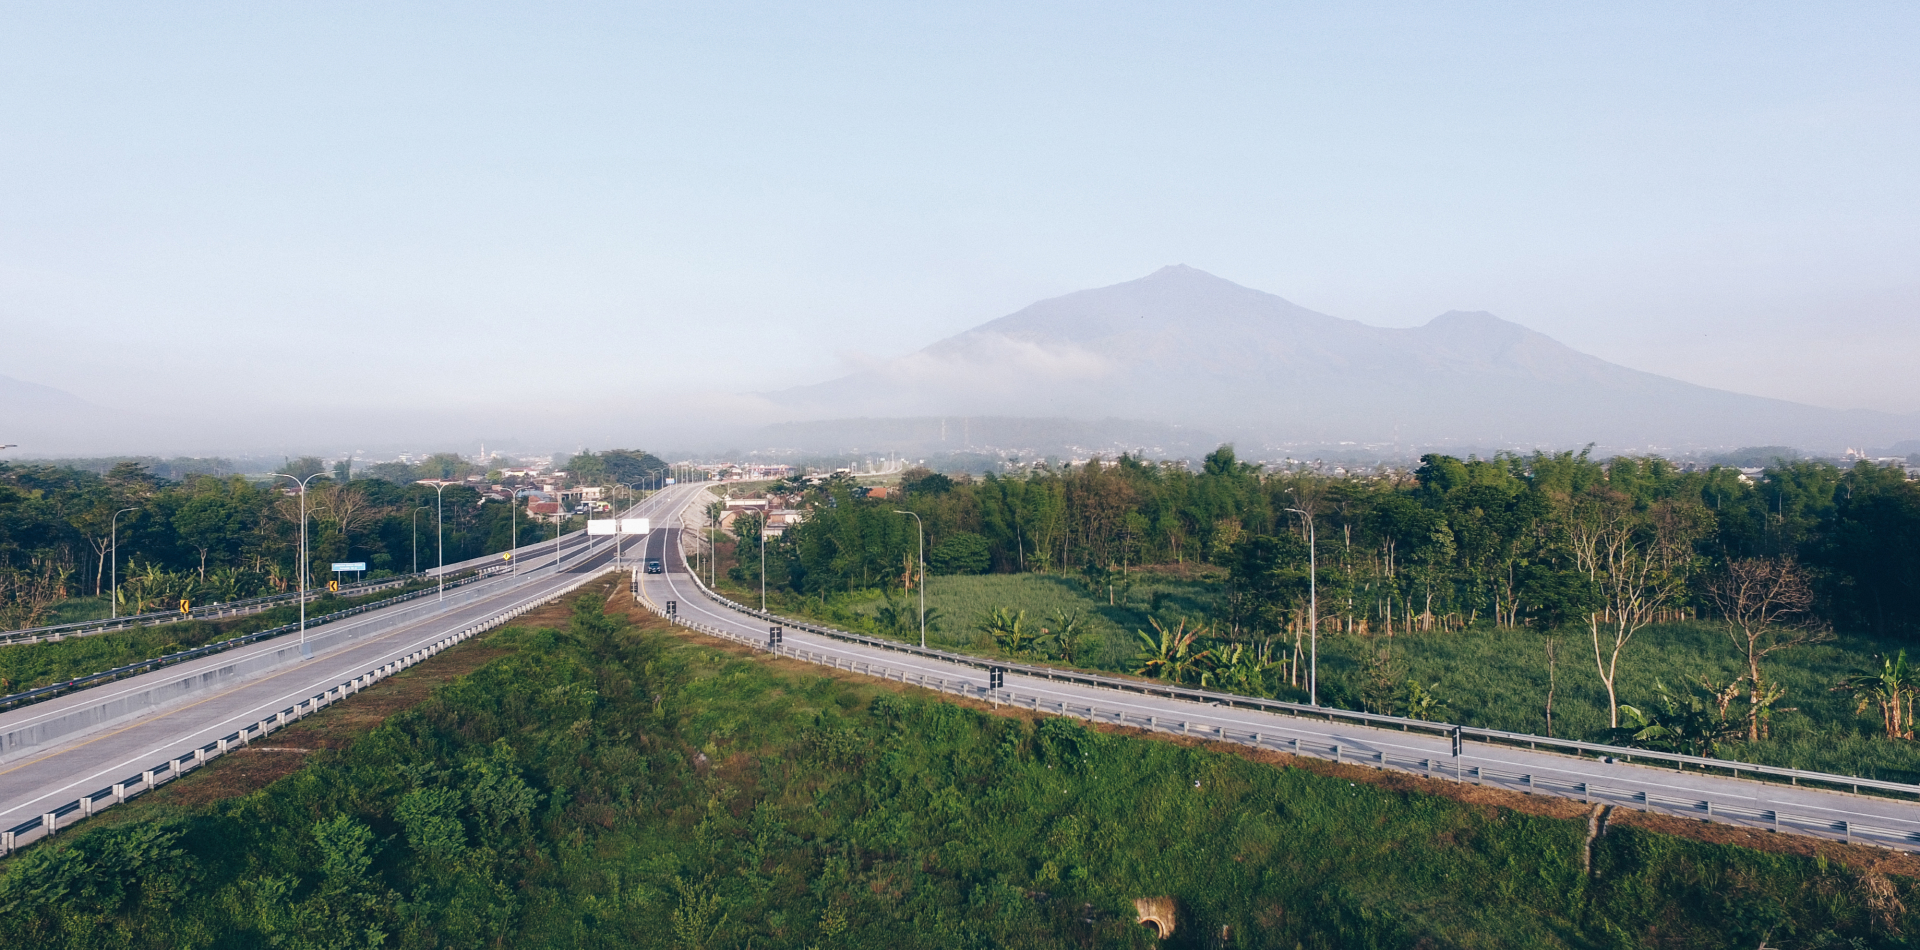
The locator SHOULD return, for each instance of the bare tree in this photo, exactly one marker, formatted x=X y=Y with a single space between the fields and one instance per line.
x=1767 y=605
x=1638 y=561
x=26 y=596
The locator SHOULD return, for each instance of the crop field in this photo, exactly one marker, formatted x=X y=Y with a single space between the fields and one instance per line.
x=1486 y=676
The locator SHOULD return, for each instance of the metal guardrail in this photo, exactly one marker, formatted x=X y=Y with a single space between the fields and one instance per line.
x=1452 y=767
x=1748 y=770
x=52 y=821
x=237 y=608
x=231 y=608
x=42 y=693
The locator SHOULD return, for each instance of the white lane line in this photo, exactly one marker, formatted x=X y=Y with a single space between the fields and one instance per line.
x=106 y=693
x=491 y=589
x=954 y=672
x=269 y=705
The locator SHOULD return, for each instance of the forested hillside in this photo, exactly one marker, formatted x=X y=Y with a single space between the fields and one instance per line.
x=208 y=538
x=1689 y=606
x=597 y=785
x=1511 y=540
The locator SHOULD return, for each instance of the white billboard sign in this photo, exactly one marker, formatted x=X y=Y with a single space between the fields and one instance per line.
x=620 y=526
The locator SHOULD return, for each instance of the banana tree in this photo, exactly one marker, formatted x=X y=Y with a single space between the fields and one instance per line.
x=1174 y=654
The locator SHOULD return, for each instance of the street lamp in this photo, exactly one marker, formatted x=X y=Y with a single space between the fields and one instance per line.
x=1313 y=609
x=920 y=528
x=113 y=532
x=302 y=482
x=440 y=534
x=416 y=536
x=631 y=487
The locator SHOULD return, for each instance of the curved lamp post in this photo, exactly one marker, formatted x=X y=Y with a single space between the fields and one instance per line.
x=113 y=531
x=440 y=533
x=302 y=482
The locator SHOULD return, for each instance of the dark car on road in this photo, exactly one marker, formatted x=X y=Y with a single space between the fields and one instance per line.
x=655 y=567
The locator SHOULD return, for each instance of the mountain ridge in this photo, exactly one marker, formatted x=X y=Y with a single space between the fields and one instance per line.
x=1184 y=347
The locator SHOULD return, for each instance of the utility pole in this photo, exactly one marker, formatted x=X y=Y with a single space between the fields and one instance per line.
x=113 y=544
x=1313 y=609
x=921 y=565
x=416 y=536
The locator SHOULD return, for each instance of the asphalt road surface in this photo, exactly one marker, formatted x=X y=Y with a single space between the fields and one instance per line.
x=1752 y=803
x=45 y=777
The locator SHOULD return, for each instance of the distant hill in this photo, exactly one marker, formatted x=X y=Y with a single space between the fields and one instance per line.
x=1039 y=437
x=44 y=421
x=1182 y=347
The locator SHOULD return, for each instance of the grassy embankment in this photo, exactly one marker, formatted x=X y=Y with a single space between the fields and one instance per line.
x=27 y=665
x=603 y=785
x=1490 y=677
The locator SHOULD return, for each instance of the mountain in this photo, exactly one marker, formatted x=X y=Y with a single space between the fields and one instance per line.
x=1183 y=347
x=44 y=421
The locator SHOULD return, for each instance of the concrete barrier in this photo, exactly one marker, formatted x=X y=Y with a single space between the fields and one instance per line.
x=124 y=704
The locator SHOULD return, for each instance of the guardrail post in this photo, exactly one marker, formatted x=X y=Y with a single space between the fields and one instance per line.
x=6 y=843
x=146 y=779
x=51 y=822
x=86 y=806
x=119 y=792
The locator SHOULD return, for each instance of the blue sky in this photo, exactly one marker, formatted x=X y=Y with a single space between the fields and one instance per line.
x=463 y=205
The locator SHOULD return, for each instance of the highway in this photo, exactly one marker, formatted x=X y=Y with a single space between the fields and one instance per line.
x=54 y=752
x=79 y=744
x=1887 y=821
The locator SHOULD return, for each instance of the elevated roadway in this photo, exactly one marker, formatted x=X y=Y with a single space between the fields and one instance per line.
x=77 y=744
x=1601 y=778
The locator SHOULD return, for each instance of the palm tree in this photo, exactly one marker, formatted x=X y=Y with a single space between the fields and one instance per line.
x=1892 y=688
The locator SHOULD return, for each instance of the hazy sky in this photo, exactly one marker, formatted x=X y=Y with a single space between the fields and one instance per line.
x=464 y=205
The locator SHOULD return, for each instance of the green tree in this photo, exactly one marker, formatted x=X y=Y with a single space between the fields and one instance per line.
x=962 y=552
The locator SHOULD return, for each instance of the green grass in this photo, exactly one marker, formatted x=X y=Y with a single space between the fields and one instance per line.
x=1498 y=679
x=1489 y=677
x=28 y=665
x=79 y=609
x=604 y=787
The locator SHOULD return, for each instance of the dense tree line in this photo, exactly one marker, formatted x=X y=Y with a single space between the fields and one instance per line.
x=208 y=538
x=1550 y=541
